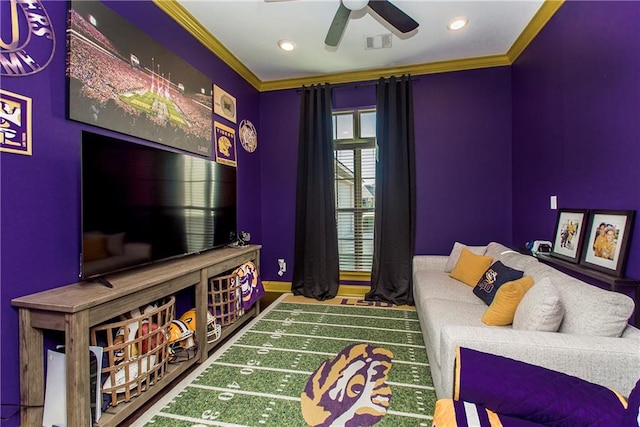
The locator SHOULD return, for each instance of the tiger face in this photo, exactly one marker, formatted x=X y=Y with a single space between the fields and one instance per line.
x=350 y=390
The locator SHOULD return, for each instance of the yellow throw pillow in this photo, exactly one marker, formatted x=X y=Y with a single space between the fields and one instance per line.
x=503 y=307
x=470 y=267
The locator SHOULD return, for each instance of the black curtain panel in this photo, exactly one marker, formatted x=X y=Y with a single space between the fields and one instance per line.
x=394 y=238
x=316 y=271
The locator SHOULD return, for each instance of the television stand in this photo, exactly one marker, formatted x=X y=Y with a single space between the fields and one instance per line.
x=75 y=308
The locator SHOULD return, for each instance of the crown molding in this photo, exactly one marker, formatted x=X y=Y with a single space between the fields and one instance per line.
x=176 y=11
x=539 y=20
x=374 y=74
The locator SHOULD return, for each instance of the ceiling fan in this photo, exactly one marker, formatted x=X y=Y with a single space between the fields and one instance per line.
x=384 y=8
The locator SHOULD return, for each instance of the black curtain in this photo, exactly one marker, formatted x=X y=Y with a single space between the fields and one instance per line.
x=394 y=229
x=316 y=271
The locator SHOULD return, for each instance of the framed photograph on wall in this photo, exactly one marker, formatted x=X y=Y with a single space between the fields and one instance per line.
x=607 y=241
x=569 y=234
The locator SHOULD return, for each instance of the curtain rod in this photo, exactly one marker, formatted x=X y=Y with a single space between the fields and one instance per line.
x=356 y=85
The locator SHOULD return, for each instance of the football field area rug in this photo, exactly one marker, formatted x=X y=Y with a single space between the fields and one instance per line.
x=301 y=362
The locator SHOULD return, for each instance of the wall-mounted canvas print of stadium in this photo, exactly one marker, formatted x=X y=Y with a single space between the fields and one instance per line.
x=121 y=79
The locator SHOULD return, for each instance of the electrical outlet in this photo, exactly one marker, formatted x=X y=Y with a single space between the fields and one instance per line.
x=282 y=265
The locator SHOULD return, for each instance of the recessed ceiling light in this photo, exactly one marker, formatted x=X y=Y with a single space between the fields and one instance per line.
x=457 y=23
x=286 y=45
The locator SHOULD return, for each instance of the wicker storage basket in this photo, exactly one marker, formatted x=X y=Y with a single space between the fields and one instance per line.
x=225 y=299
x=136 y=350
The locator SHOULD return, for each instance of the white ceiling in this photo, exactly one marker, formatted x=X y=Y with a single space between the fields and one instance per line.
x=250 y=30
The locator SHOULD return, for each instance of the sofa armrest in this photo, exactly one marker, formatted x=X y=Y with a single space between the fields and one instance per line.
x=430 y=262
x=611 y=362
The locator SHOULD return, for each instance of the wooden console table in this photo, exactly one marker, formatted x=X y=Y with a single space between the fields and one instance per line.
x=75 y=308
x=614 y=282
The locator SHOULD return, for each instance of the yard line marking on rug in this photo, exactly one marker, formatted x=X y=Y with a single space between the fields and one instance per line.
x=199 y=420
x=342 y=314
x=296 y=371
x=337 y=339
x=410 y=415
x=261 y=368
x=292 y=350
x=339 y=325
x=245 y=392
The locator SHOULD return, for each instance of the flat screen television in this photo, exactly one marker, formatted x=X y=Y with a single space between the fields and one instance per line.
x=142 y=204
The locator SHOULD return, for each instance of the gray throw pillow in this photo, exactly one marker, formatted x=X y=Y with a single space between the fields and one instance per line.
x=457 y=250
x=541 y=308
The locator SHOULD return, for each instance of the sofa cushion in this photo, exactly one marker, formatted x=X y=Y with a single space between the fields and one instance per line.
x=495 y=249
x=517 y=260
x=438 y=284
x=522 y=390
x=439 y=313
x=455 y=254
x=494 y=277
x=540 y=309
x=470 y=267
x=590 y=310
x=504 y=305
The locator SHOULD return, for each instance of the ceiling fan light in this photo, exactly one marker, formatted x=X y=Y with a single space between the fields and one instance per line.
x=355 y=4
x=457 y=24
x=286 y=45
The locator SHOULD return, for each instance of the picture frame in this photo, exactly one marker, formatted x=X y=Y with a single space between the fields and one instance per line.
x=224 y=104
x=568 y=237
x=607 y=241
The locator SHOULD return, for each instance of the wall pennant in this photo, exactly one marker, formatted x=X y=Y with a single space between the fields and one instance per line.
x=15 y=123
x=32 y=43
x=225 y=139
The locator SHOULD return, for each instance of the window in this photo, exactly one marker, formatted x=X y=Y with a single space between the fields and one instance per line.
x=354 y=138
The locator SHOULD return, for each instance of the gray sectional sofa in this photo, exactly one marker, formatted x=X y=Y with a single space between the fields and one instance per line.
x=591 y=338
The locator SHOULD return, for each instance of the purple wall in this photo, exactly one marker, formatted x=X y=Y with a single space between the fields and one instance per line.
x=576 y=100
x=40 y=202
x=463 y=158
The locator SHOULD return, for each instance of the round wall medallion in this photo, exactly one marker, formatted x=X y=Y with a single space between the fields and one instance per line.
x=248 y=136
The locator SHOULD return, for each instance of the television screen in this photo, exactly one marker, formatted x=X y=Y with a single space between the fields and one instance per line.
x=142 y=204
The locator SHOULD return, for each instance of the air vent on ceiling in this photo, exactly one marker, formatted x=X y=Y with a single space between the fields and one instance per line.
x=381 y=41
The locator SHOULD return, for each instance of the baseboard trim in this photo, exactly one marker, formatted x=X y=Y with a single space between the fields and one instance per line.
x=343 y=290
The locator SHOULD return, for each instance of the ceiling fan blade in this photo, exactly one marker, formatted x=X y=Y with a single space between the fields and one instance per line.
x=338 y=25
x=393 y=15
